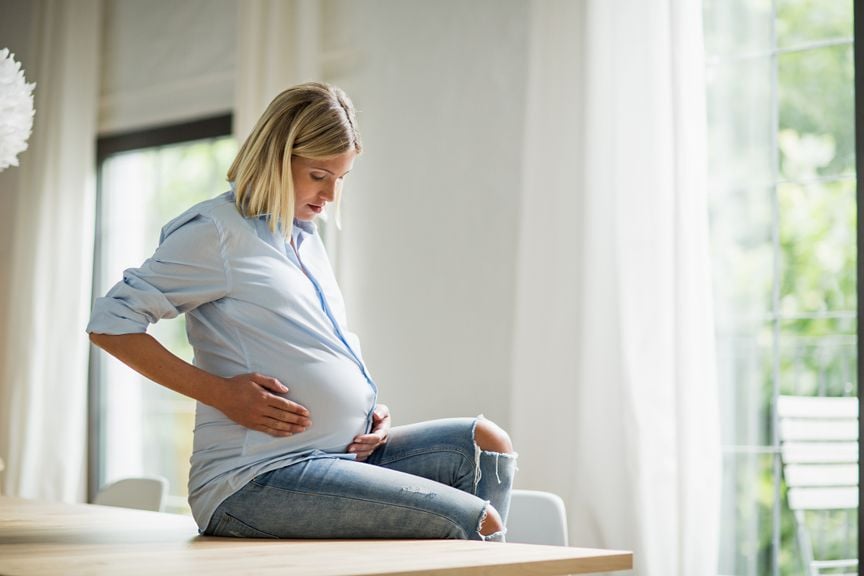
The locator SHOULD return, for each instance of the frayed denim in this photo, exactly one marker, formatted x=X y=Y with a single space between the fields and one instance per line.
x=430 y=480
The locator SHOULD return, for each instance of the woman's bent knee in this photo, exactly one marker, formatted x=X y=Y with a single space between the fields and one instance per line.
x=491 y=437
x=491 y=523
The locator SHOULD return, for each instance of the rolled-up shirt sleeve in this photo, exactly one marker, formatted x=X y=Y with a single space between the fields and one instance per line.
x=187 y=270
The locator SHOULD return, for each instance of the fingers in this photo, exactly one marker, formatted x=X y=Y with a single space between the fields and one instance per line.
x=362 y=453
x=287 y=417
x=381 y=429
x=373 y=439
x=285 y=405
x=271 y=384
x=276 y=427
x=273 y=414
x=365 y=444
x=380 y=412
x=279 y=421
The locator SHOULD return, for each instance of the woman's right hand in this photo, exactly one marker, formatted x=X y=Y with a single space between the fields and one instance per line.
x=251 y=400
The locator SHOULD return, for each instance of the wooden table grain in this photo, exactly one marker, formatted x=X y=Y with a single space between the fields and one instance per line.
x=39 y=538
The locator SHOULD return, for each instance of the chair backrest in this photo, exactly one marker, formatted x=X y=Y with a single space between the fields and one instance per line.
x=536 y=517
x=819 y=451
x=145 y=493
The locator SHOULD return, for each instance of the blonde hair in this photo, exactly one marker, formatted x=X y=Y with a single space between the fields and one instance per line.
x=312 y=120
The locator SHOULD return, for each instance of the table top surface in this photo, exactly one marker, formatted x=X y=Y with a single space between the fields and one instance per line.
x=54 y=538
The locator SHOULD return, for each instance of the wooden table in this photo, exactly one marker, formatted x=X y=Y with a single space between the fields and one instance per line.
x=49 y=538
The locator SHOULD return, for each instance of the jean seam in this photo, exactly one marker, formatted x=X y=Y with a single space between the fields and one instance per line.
x=383 y=503
x=427 y=451
x=236 y=519
x=421 y=451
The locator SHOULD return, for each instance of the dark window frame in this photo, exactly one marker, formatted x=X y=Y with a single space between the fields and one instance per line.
x=858 y=38
x=107 y=146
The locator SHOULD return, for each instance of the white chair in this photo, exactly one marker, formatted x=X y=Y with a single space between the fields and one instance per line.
x=820 y=464
x=145 y=493
x=536 y=518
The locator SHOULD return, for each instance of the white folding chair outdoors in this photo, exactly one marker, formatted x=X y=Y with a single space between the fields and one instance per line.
x=146 y=493
x=537 y=518
x=820 y=464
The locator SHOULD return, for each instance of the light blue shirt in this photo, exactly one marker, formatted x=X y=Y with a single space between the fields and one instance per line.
x=252 y=305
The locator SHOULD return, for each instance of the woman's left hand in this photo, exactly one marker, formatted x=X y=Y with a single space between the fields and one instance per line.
x=365 y=444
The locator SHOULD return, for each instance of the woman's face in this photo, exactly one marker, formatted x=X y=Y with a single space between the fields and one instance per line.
x=316 y=182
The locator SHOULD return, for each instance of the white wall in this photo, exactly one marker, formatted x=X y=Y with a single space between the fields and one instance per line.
x=165 y=61
x=428 y=250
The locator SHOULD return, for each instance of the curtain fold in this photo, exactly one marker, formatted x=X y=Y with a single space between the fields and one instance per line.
x=43 y=386
x=613 y=315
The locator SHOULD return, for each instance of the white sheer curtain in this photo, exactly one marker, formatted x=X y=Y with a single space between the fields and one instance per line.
x=614 y=396
x=43 y=385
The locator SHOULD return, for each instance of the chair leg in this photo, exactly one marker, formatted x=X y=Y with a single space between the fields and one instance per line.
x=805 y=544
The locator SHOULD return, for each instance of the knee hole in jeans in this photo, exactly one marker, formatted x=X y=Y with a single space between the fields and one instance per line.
x=491 y=522
x=492 y=438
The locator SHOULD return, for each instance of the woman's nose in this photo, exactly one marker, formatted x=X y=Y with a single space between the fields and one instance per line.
x=328 y=191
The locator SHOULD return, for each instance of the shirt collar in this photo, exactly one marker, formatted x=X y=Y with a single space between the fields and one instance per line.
x=300 y=230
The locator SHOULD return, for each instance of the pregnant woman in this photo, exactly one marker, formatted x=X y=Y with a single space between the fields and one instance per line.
x=289 y=439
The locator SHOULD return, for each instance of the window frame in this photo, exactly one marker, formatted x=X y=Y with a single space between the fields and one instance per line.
x=857 y=38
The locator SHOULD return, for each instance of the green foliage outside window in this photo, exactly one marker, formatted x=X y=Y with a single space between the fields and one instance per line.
x=782 y=168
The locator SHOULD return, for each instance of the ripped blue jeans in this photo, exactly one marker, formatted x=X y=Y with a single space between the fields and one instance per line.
x=430 y=480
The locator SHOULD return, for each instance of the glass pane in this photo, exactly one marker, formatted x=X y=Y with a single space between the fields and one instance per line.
x=818 y=357
x=817 y=115
x=740 y=132
x=834 y=534
x=782 y=205
x=745 y=371
x=742 y=257
x=818 y=247
x=129 y=230
x=736 y=27
x=147 y=429
x=804 y=21
x=747 y=502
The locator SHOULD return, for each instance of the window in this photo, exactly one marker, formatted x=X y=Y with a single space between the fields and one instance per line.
x=782 y=193
x=145 y=179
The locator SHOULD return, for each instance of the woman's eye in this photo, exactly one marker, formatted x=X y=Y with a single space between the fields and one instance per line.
x=318 y=177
